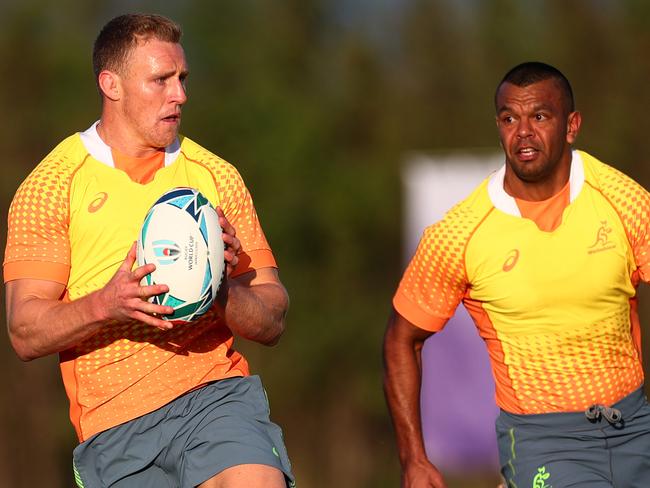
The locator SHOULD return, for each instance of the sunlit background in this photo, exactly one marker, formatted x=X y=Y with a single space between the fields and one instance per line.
x=319 y=103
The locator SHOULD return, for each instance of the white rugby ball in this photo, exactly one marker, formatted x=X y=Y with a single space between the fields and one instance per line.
x=182 y=237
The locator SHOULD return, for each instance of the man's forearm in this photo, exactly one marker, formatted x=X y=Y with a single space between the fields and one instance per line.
x=402 y=376
x=40 y=323
x=256 y=312
x=40 y=326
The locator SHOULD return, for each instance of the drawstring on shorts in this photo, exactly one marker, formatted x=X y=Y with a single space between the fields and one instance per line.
x=598 y=411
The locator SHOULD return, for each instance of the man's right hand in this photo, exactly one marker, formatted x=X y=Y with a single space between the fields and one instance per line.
x=124 y=298
x=40 y=322
x=422 y=475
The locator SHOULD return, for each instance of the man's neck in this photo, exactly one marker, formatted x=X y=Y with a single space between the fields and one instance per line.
x=116 y=138
x=535 y=191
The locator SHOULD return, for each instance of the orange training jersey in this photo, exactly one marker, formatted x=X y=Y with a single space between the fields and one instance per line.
x=556 y=309
x=72 y=221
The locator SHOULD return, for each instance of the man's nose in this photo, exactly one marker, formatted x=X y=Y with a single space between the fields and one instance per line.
x=524 y=128
x=179 y=94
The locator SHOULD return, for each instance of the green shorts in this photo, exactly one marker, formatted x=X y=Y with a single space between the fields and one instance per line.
x=186 y=442
x=562 y=450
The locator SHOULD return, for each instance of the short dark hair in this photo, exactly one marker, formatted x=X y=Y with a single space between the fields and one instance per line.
x=121 y=34
x=530 y=72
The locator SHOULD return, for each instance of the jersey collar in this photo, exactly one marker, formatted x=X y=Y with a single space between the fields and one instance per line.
x=504 y=202
x=99 y=150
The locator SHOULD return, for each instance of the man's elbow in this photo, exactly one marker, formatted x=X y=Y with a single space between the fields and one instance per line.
x=274 y=334
x=22 y=341
x=23 y=349
x=278 y=324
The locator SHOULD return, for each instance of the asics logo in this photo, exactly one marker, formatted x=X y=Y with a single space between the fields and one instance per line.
x=511 y=260
x=98 y=202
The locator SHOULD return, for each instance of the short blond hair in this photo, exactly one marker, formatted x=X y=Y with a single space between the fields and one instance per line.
x=120 y=35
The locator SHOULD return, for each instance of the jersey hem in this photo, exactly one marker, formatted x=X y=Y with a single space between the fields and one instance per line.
x=37 y=270
x=411 y=312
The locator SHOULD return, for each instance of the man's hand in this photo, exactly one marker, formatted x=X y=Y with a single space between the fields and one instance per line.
x=403 y=344
x=233 y=246
x=124 y=298
x=40 y=322
x=422 y=475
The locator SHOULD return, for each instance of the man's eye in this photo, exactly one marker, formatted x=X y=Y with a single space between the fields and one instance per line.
x=540 y=117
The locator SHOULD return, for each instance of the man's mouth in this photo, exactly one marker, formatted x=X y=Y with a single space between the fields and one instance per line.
x=527 y=153
x=527 y=150
x=172 y=118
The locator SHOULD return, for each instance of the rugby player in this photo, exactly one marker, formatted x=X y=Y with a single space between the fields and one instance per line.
x=546 y=255
x=153 y=404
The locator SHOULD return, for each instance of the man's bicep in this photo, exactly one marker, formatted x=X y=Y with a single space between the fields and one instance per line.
x=259 y=276
x=403 y=330
x=20 y=291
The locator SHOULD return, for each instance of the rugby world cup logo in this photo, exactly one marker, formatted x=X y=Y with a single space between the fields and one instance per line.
x=166 y=251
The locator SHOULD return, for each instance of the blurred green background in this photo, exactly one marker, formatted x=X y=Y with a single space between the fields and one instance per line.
x=317 y=102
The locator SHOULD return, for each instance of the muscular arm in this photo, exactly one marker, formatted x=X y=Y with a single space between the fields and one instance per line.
x=255 y=305
x=40 y=323
x=403 y=343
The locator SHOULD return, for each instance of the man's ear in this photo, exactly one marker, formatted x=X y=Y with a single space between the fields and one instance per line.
x=109 y=84
x=573 y=126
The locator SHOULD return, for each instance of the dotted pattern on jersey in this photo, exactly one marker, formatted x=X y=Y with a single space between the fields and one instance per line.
x=601 y=358
x=435 y=279
x=632 y=202
x=236 y=200
x=133 y=366
x=39 y=213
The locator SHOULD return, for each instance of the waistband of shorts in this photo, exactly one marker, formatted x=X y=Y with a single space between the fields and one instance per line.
x=628 y=406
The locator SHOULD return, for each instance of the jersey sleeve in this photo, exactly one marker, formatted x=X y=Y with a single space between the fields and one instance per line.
x=640 y=235
x=238 y=208
x=632 y=203
x=37 y=237
x=434 y=282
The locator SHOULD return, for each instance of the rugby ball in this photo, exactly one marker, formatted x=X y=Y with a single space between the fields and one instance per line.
x=182 y=237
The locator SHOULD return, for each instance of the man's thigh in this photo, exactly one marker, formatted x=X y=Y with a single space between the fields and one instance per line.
x=247 y=476
x=543 y=456
x=630 y=449
x=199 y=435
x=231 y=433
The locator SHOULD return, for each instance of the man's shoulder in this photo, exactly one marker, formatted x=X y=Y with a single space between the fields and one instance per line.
x=477 y=203
x=195 y=152
x=606 y=178
x=64 y=158
x=467 y=213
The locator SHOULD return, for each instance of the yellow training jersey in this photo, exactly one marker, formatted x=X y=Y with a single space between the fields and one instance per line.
x=73 y=220
x=557 y=309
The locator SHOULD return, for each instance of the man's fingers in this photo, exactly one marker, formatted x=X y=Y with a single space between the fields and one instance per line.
x=128 y=262
x=232 y=242
x=223 y=222
x=142 y=271
x=231 y=258
x=151 y=309
x=153 y=321
x=148 y=291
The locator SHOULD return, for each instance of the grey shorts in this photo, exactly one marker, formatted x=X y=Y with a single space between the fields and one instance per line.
x=186 y=442
x=562 y=450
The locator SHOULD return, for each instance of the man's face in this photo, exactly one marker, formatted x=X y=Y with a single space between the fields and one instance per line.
x=153 y=92
x=536 y=128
